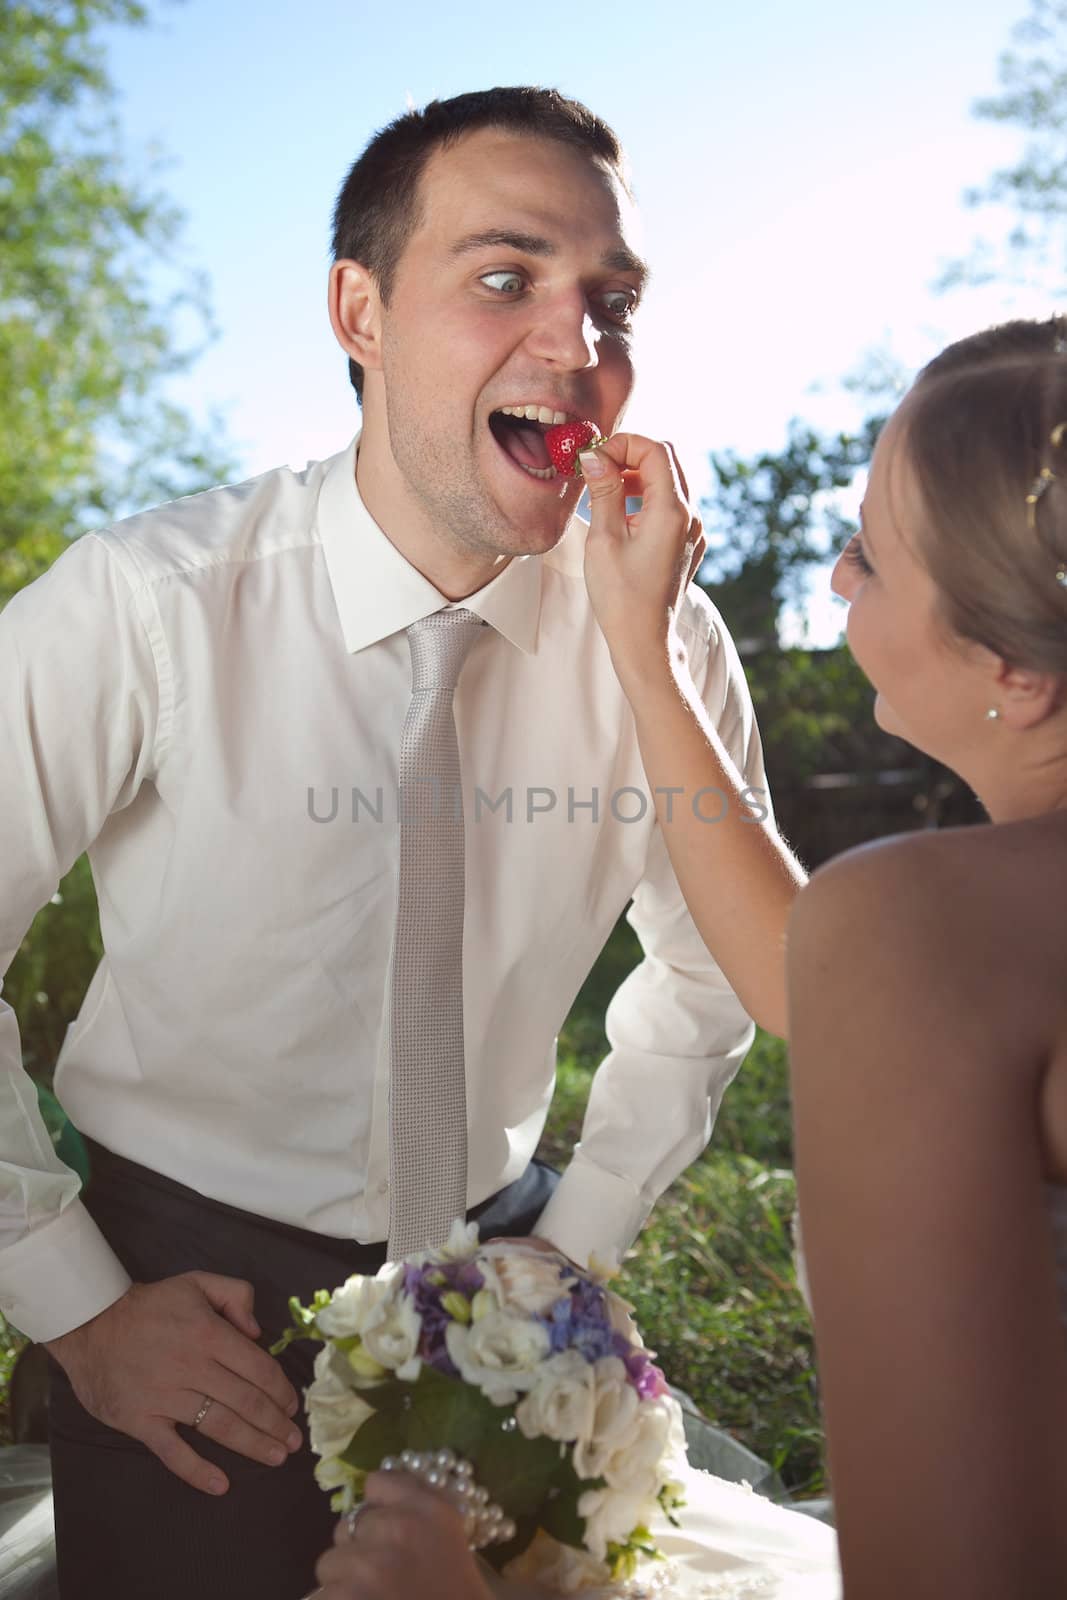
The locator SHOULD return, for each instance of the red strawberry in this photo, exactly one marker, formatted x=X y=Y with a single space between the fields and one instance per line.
x=564 y=442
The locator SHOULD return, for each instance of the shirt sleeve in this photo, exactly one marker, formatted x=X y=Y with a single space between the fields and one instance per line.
x=80 y=698
x=677 y=1031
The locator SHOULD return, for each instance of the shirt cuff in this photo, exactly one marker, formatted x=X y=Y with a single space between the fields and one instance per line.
x=593 y=1212
x=59 y=1275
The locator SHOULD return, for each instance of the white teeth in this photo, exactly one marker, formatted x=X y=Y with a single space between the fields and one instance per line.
x=538 y=472
x=540 y=414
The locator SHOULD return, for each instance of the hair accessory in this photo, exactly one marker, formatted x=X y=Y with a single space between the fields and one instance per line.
x=1037 y=489
x=1044 y=478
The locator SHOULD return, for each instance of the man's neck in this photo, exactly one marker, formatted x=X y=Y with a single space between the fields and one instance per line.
x=454 y=572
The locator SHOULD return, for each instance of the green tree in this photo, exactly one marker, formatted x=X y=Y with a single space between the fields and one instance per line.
x=771 y=519
x=837 y=779
x=1033 y=99
x=91 y=293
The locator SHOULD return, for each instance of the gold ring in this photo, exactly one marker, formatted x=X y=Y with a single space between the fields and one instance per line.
x=204 y=1409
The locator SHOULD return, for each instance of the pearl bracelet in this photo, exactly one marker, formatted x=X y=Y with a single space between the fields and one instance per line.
x=484 y=1522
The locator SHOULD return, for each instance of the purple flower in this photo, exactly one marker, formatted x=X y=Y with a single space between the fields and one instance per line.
x=426 y=1285
x=645 y=1376
x=580 y=1321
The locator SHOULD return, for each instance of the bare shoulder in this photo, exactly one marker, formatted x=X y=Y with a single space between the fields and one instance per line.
x=922 y=886
x=930 y=911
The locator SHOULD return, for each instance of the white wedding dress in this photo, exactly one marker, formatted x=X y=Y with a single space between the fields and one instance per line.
x=732 y=1545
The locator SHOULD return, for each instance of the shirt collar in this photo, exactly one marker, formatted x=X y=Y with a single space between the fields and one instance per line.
x=378 y=592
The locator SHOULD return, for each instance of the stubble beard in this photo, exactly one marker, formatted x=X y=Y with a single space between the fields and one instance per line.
x=455 y=501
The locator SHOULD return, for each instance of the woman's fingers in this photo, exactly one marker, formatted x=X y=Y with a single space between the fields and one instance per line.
x=631 y=464
x=407 y=1540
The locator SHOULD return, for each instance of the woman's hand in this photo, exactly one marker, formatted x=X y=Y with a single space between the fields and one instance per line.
x=637 y=567
x=408 y=1540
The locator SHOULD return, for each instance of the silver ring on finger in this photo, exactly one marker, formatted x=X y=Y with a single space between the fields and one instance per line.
x=204 y=1409
x=351 y=1518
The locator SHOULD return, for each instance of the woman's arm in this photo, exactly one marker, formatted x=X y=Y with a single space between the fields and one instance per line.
x=738 y=876
x=942 y=1358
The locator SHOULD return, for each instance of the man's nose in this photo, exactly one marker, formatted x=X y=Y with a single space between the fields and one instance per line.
x=565 y=334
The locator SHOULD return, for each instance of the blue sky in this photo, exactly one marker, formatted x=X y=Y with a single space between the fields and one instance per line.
x=800 y=172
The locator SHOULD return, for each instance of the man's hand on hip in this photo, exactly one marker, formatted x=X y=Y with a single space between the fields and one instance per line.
x=158 y=1355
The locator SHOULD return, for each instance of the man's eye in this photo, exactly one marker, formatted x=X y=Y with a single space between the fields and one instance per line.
x=620 y=304
x=503 y=282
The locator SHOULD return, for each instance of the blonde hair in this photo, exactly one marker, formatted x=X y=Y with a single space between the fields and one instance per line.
x=977 y=430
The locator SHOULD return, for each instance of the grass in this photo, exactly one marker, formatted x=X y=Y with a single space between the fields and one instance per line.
x=711 y=1275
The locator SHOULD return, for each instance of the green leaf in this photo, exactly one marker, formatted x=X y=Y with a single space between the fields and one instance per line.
x=446 y=1411
x=559 y=1516
x=383 y=1434
x=518 y=1471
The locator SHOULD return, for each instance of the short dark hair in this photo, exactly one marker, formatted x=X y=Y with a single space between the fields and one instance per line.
x=979 y=429
x=377 y=208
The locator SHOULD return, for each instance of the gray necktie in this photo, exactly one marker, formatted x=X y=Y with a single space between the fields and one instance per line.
x=427 y=1090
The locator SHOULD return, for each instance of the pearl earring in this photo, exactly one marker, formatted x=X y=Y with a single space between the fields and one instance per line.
x=992 y=715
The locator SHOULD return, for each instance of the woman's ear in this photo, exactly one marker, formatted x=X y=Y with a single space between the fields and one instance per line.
x=1026 y=697
x=355 y=313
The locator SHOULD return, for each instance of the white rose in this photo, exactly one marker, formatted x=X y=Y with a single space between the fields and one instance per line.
x=615 y=1407
x=461 y=1244
x=560 y=1404
x=391 y=1336
x=333 y=1473
x=639 y=1467
x=523 y=1280
x=335 y=1412
x=355 y=1301
x=610 y=1518
x=499 y=1353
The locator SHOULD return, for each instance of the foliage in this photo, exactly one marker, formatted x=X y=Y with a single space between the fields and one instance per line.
x=1032 y=98
x=86 y=430
x=92 y=291
x=815 y=711
x=11 y=1343
x=47 y=980
x=711 y=1275
x=771 y=518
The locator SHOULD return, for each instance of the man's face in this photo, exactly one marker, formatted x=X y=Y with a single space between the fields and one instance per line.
x=516 y=289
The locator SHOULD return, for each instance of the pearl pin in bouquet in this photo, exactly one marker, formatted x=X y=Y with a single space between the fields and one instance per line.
x=511 y=1380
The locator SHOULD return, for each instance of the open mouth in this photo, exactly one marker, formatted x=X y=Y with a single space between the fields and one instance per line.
x=520 y=433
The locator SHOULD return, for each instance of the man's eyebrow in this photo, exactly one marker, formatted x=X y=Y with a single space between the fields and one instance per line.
x=535 y=244
x=530 y=244
x=624 y=260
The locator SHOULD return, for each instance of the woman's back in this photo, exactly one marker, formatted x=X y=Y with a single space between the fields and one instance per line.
x=928 y=974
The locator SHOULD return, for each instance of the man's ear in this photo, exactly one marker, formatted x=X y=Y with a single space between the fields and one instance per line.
x=355 y=313
x=1026 y=697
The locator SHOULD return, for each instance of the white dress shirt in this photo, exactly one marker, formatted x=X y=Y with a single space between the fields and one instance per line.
x=193 y=696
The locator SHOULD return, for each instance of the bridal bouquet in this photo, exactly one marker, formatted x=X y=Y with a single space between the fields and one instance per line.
x=518 y=1363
